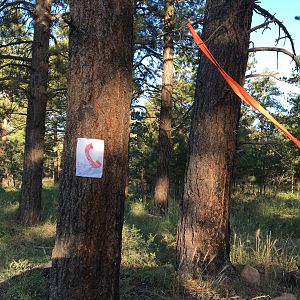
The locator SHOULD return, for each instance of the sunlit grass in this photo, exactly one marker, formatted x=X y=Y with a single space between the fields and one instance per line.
x=265 y=234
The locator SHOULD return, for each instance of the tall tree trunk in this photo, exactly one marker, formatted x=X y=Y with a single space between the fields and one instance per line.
x=162 y=186
x=3 y=141
x=56 y=153
x=203 y=230
x=30 y=202
x=55 y=166
x=87 y=253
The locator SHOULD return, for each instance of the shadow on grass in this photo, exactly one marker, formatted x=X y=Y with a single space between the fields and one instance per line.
x=164 y=283
x=22 y=247
x=145 y=283
x=29 y=285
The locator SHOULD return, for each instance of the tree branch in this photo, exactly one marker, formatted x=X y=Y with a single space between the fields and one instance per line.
x=14 y=65
x=5 y=5
x=271 y=74
x=185 y=115
x=15 y=43
x=285 y=51
x=259 y=143
x=14 y=78
x=2 y=56
x=153 y=53
x=22 y=126
x=54 y=17
x=263 y=25
x=268 y=15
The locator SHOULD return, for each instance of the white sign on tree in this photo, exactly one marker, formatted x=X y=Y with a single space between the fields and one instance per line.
x=89 y=157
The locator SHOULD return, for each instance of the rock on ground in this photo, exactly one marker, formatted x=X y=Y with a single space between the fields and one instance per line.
x=285 y=296
x=251 y=275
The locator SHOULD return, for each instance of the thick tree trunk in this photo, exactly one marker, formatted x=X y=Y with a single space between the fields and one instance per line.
x=30 y=202
x=162 y=186
x=203 y=230
x=87 y=253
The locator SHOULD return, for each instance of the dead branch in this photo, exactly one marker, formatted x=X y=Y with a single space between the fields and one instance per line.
x=145 y=56
x=283 y=50
x=268 y=15
x=263 y=25
x=185 y=115
x=153 y=53
x=271 y=74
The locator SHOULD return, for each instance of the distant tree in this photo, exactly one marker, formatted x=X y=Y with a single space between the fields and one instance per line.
x=17 y=27
x=148 y=62
x=292 y=159
x=15 y=45
x=87 y=253
x=30 y=201
x=258 y=158
x=203 y=230
x=162 y=186
x=56 y=104
x=12 y=141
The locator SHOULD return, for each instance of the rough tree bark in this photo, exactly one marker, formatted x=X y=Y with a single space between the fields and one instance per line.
x=30 y=202
x=203 y=230
x=162 y=186
x=87 y=253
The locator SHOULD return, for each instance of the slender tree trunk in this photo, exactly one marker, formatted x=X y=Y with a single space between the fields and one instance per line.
x=56 y=153
x=162 y=186
x=30 y=202
x=142 y=187
x=203 y=230
x=87 y=253
x=56 y=167
x=3 y=141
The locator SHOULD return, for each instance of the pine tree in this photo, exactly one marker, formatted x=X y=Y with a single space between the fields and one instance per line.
x=203 y=229
x=87 y=253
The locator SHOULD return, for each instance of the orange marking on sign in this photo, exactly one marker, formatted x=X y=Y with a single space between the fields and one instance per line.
x=93 y=164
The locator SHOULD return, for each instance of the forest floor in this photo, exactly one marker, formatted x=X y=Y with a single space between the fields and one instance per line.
x=265 y=235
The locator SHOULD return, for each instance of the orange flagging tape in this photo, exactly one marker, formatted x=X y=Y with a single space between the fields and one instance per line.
x=239 y=90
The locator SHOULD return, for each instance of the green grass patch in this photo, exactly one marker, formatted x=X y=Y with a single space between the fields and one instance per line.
x=24 y=247
x=31 y=286
x=266 y=230
x=265 y=234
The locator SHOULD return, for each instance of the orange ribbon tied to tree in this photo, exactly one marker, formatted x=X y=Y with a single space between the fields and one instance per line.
x=237 y=88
